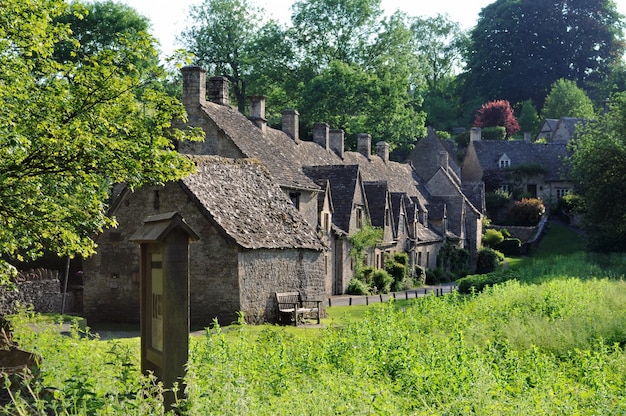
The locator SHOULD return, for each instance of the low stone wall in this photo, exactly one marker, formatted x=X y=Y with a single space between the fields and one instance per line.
x=42 y=293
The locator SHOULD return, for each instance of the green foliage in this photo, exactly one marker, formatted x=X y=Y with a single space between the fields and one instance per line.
x=487 y=260
x=452 y=261
x=397 y=267
x=492 y=238
x=70 y=130
x=357 y=287
x=382 y=281
x=526 y=212
x=529 y=118
x=494 y=133
x=366 y=238
x=518 y=49
x=544 y=348
x=565 y=99
x=598 y=169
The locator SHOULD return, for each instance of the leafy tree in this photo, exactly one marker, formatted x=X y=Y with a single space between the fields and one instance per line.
x=70 y=130
x=598 y=167
x=519 y=48
x=497 y=113
x=492 y=238
x=567 y=100
x=334 y=30
x=528 y=118
x=527 y=212
x=227 y=39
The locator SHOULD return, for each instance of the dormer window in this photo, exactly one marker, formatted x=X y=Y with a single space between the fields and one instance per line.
x=295 y=199
x=504 y=162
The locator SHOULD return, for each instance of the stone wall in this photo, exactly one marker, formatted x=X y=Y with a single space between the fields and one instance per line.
x=43 y=295
x=265 y=272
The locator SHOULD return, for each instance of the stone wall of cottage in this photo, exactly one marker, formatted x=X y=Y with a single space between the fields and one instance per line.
x=43 y=296
x=265 y=272
x=111 y=277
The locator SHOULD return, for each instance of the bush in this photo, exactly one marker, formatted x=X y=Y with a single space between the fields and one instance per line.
x=357 y=287
x=527 y=212
x=402 y=258
x=382 y=281
x=365 y=274
x=494 y=133
x=492 y=238
x=434 y=277
x=497 y=199
x=510 y=247
x=420 y=276
x=488 y=260
x=396 y=270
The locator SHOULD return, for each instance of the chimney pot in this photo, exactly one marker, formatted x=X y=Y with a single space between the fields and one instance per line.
x=443 y=159
x=257 y=111
x=382 y=149
x=475 y=134
x=194 y=85
x=321 y=134
x=291 y=123
x=364 y=144
x=218 y=90
x=336 y=139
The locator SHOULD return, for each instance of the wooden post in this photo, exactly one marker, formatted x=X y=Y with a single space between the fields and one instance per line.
x=164 y=299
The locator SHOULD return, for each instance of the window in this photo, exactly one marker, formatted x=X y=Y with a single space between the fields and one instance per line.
x=359 y=218
x=419 y=258
x=505 y=163
x=561 y=192
x=505 y=188
x=326 y=224
x=295 y=199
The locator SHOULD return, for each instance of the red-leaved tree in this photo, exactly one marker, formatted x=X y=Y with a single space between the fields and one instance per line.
x=497 y=113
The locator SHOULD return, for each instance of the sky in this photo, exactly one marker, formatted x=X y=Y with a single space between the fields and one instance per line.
x=169 y=18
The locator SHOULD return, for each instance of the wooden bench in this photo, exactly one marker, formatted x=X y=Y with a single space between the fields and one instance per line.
x=292 y=308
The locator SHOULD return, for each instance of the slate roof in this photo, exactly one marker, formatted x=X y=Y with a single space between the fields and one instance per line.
x=426 y=235
x=274 y=151
x=424 y=156
x=343 y=183
x=239 y=196
x=549 y=155
x=376 y=193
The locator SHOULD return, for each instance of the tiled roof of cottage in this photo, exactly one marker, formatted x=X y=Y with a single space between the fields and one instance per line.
x=397 y=199
x=549 y=155
x=240 y=198
x=274 y=149
x=376 y=201
x=343 y=182
x=426 y=235
x=424 y=156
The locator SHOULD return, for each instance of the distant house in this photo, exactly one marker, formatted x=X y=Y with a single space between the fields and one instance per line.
x=534 y=169
x=558 y=130
x=253 y=242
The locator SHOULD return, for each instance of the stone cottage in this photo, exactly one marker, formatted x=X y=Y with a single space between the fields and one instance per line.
x=536 y=169
x=253 y=242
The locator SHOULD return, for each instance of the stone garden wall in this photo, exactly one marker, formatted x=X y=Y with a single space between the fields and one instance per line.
x=40 y=289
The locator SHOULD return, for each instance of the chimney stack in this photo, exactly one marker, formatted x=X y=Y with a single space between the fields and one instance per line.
x=257 y=111
x=321 y=135
x=218 y=90
x=291 y=123
x=475 y=134
x=336 y=139
x=443 y=159
x=364 y=144
x=194 y=85
x=382 y=148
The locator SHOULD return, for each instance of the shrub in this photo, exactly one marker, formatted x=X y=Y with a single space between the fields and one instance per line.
x=357 y=287
x=527 y=212
x=402 y=258
x=510 y=246
x=494 y=133
x=435 y=276
x=488 y=260
x=497 y=199
x=382 y=281
x=365 y=274
x=396 y=270
x=492 y=238
x=420 y=276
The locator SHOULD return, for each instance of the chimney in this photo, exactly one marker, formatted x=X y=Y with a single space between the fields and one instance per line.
x=364 y=144
x=336 y=138
x=527 y=137
x=475 y=134
x=257 y=111
x=382 y=148
x=321 y=135
x=443 y=159
x=194 y=85
x=291 y=123
x=218 y=90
